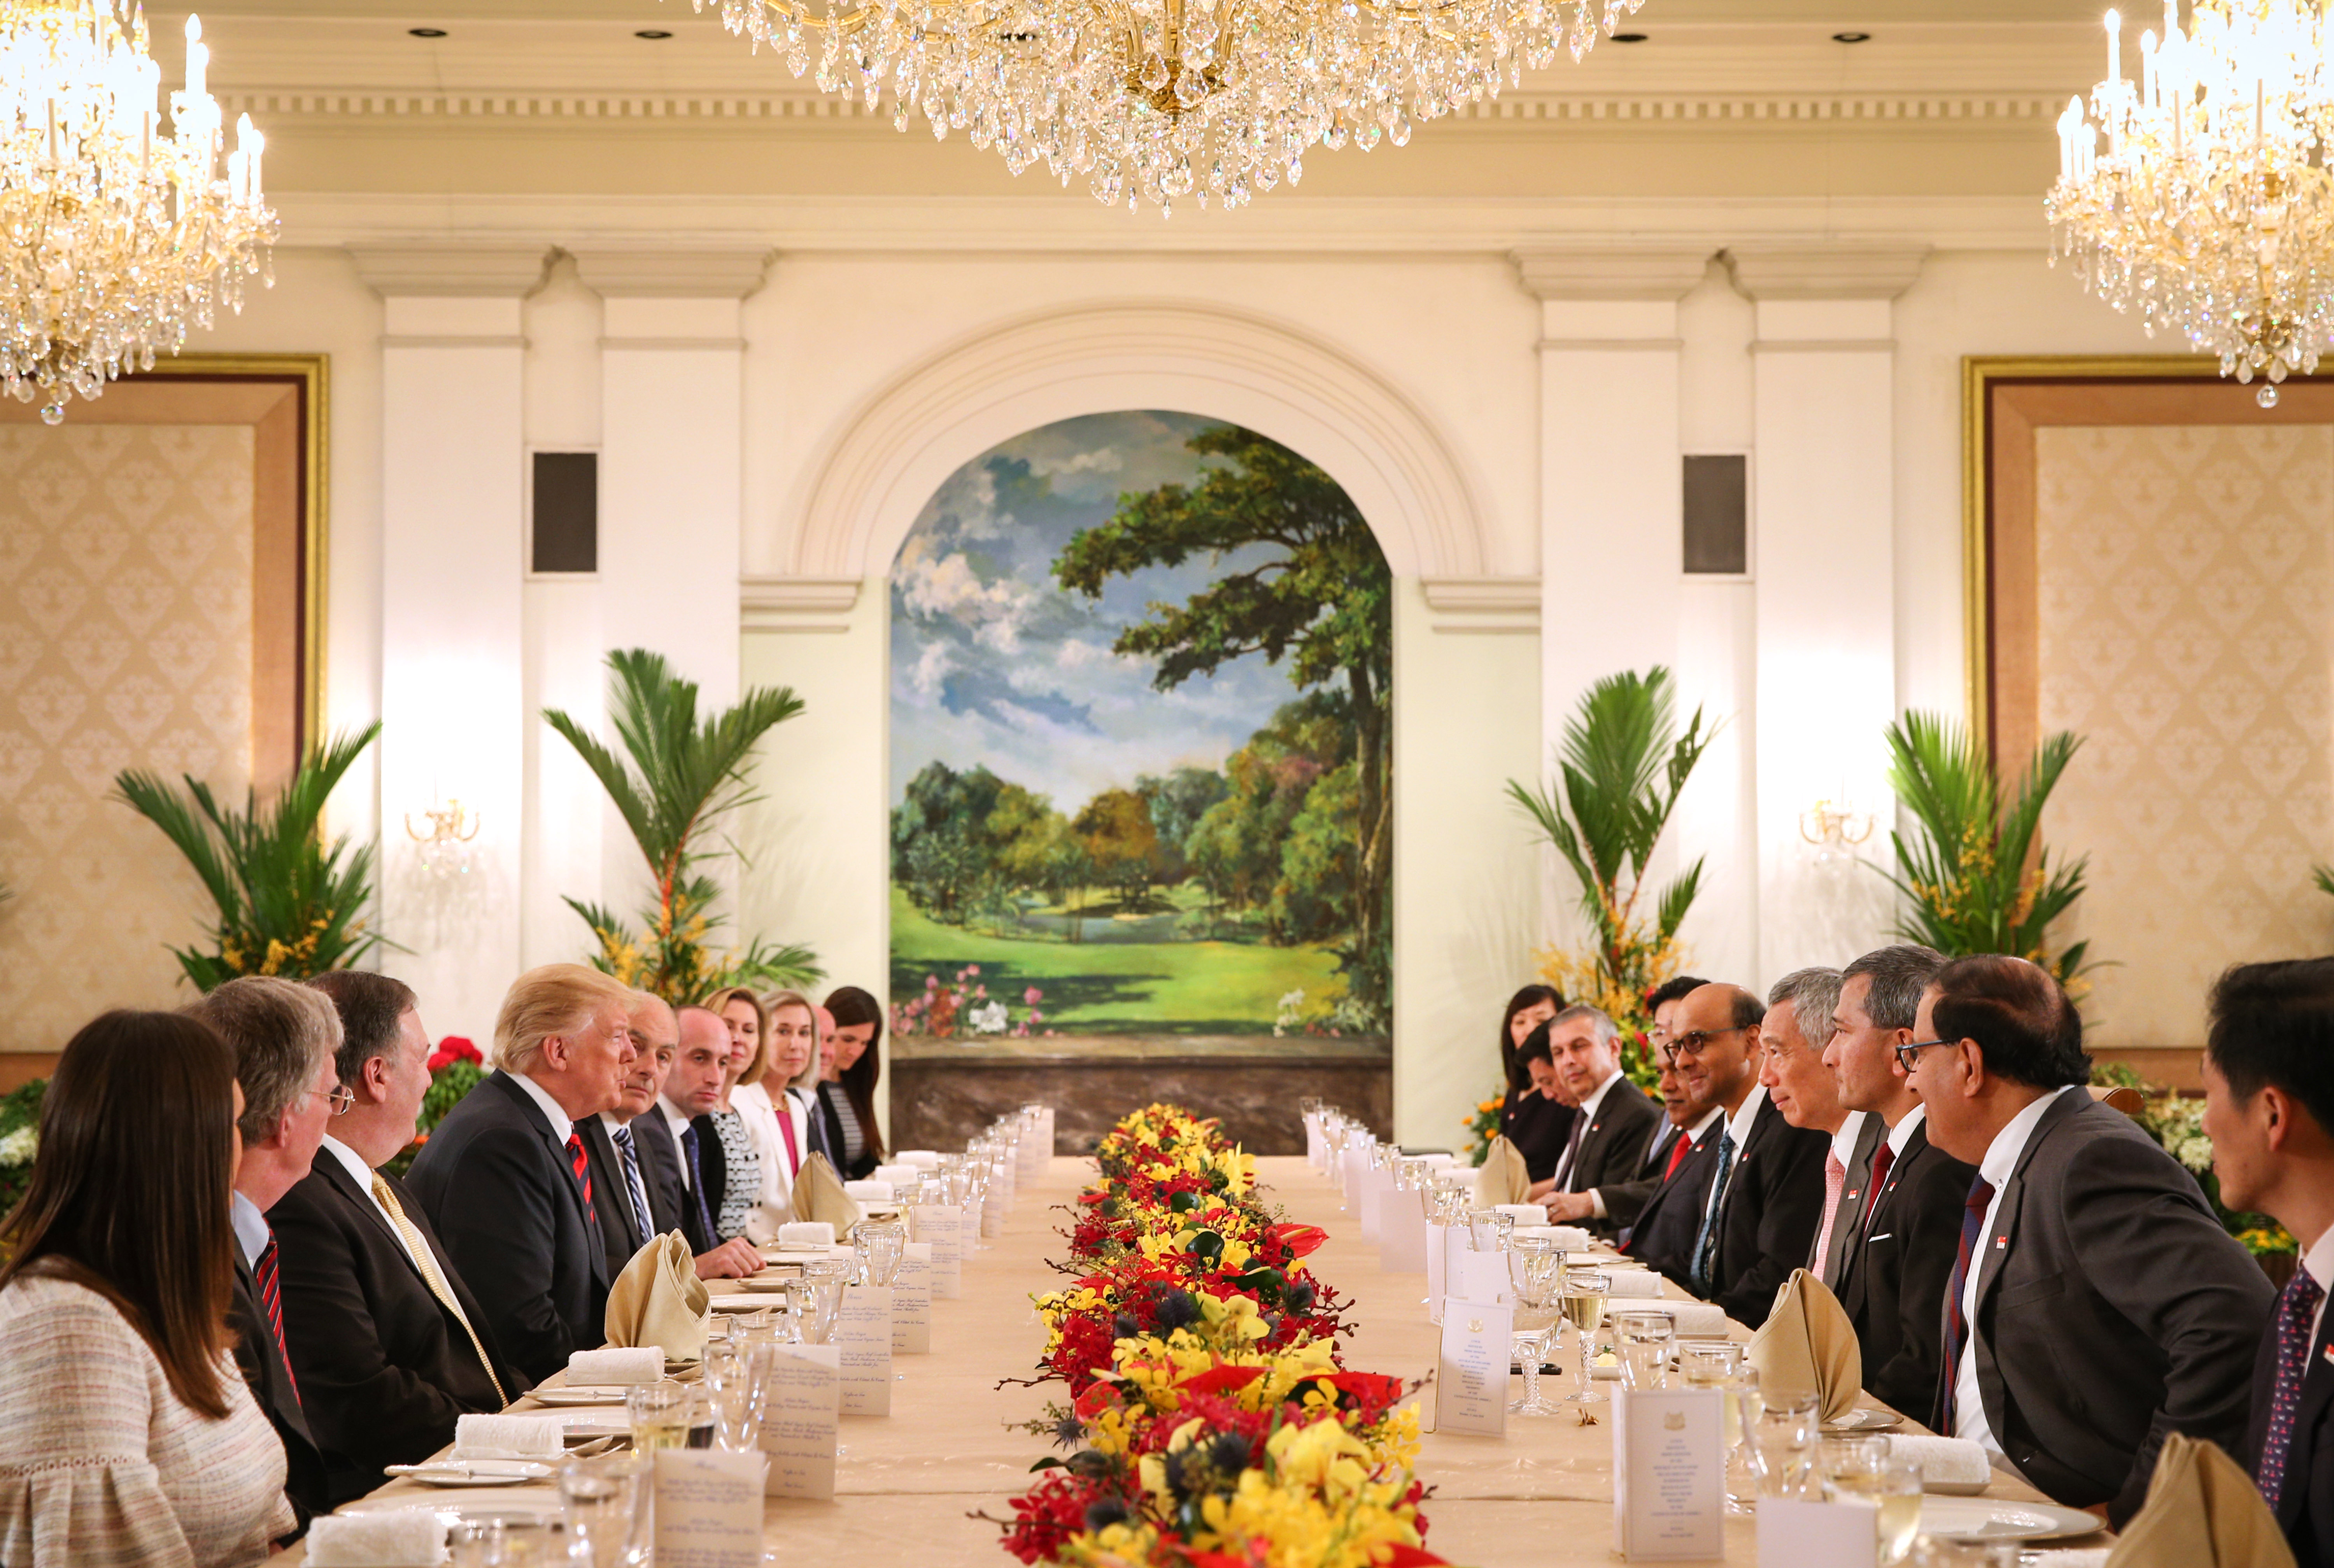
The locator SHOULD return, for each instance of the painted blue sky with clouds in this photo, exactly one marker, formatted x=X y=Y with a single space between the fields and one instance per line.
x=993 y=665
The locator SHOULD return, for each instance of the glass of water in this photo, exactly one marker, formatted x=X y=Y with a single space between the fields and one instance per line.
x=1892 y=1489
x=1647 y=1337
x=605 y=1505
x=659 y=1413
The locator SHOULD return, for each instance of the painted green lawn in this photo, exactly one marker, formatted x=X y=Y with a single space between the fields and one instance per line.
x=1115 y=987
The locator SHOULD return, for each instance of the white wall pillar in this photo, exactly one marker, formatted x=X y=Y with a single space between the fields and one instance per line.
x=1610 y=554
x=453 y=551
x=1823 y=510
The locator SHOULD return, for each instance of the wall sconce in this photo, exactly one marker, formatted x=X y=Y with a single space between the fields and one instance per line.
x=440 y=848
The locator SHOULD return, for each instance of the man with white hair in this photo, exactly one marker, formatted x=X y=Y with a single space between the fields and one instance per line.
x=506 y=1178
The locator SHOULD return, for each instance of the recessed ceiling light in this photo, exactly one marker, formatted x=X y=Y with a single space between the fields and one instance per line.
x=427 y=32
x=1851 y=38
x=1628 y=38
x=653 y=33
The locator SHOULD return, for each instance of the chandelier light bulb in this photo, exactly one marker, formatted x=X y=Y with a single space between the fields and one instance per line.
x=1137 y=97
x=129 y=238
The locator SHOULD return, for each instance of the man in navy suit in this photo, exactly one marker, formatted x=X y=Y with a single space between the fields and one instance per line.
x=506 y=1178
x=2268 y=1106
x=1578 y=1053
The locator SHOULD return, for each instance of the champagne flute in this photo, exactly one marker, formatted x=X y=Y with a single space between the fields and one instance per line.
x=1586 y=1292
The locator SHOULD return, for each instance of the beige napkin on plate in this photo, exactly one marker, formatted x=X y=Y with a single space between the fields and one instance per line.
x=1808 y=1344
x=385 y=1538
x=1502 y=1177
x=2202 y=1511
x=819 y=1194
x=659 y=1300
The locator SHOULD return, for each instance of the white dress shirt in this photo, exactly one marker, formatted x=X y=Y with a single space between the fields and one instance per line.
x=1737 y=1126
x=361 y=1174
x=562 y=1129
x=2320 y=1263
x=1585 y=1116
x=250 y=1228
x=2001 y=1161
x=1843 y=1142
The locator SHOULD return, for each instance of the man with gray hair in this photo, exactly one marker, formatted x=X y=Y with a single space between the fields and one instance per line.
x=1578 y=1052
x=1893 y=1279
x=284 y=1036
x=1795 y=1032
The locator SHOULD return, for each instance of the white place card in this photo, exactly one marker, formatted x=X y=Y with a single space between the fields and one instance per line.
x=1438 y=1269
x=800 y=1422
x=709 y=1508
x=1316 y=1150
x=912 y=1301
x=940 y=1223
x=1480 y=1275
x=1401 y=1234
x=992 y=1216
x=863 y=1333
x=1375 y=1184
x=1471 y=1380
x=1793 y=1534
x=1350 y=1170
x=1668 y=1474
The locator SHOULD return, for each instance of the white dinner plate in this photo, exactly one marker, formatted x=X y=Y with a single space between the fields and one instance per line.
x=580 y=1394
x=773 y=1281
x=477 y=1473
x=1999 y=1519
x=1866 y=1419
x=740 y=1303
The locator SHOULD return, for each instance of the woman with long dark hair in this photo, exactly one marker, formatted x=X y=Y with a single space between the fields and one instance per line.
x=1538 y=1127
x=847 y=1092
x=126 y=1434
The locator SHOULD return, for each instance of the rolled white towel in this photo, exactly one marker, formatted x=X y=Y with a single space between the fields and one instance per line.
x=603 y=1368
x=508 y=1436
x=921 y=1159
x=1635 y=1282
x=387 y=1538
x=868 y=1191
x=897 y=1175
x=1522 y=1213
x=1947 y=1461
x=807 y=1233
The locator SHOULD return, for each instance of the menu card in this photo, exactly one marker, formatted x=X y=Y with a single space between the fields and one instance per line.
x=1352 y=1169
x=1668 y=1474
x=912 y=1301
x=941 y=1224
x=1795 y=1533
x=1316 y=1149
x=709 y=1508
x=1438 y=1268
x=1401 y=1234
x=1471 y=1380
x=800 y=1421
x=864 y=1335
x=1480 y=1275
x=1376 y=1182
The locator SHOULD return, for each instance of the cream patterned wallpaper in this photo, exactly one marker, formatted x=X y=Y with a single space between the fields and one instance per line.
x=125 y=641
x=2186 y=597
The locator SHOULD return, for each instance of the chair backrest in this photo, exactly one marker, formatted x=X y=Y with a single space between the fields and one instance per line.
x=2123 y=1097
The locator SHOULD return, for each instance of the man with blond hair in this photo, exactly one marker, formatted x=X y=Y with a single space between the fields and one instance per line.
x=506 y=1178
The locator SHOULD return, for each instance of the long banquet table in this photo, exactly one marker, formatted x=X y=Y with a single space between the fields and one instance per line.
x=908 y=1482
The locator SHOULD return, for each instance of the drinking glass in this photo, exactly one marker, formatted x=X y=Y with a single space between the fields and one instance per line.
x=1488 y=1229
x=659 y=1413
x=735 y=1388
x=1783 y=1446
x=820 y=1302
x=1646 y=1337
x=1584 y=1294
x=526 y=1542
x=1892 y=1489
x=1843 y=1454
x=880 y=1245
x=1533 y=1267
x=605 y=1505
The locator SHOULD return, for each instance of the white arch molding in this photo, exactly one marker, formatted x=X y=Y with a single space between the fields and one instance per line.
x=1194 y=358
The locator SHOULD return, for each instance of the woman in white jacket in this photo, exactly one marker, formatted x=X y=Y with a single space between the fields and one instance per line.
x=770 y=1045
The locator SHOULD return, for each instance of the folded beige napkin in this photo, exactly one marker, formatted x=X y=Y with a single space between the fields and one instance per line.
x=1942 y=1461
x=2202 y=1512
x=1502 y=1177
x=386 y=1538
x=659 y=1300
x=819 y=1194
x=508 y=1436
x=1809 y=1346
x=616 y=1364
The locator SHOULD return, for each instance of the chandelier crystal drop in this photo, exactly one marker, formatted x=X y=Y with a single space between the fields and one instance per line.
x=1158 y=99
x=2196 y=192
x=119 y=239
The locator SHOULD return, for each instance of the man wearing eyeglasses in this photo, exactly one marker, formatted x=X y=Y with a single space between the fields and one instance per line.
x=1903 y=1246
x=1766 y=1193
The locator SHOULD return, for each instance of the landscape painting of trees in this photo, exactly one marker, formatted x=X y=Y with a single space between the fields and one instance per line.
x=1141 y=743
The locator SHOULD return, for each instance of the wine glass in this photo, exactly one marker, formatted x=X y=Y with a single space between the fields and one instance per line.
x=1646 y=1337
x=1783 y=1446
x=1533 y=1266
x=1584 y=1294
x=1719 y=1365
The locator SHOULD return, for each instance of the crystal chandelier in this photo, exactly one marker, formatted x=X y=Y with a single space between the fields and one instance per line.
x=2198 y=194
x=118 y=239
x=1156 y=99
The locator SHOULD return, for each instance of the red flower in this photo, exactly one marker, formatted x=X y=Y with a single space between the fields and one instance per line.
x=452 y=1049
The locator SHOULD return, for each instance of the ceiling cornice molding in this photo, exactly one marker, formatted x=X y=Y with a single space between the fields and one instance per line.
x=641 y=271
x=1554 y=270
x=1786 y=271
x=435 y=269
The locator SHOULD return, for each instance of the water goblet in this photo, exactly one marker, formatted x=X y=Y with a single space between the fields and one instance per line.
x=604 y=1501
x=1783 y=1446
x=1647 y=1336
x=1533 y=1267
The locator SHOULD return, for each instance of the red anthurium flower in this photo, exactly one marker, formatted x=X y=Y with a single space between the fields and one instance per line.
x=1299 y=1239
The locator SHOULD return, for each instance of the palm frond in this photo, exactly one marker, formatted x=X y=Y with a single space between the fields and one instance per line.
x=2324 y=877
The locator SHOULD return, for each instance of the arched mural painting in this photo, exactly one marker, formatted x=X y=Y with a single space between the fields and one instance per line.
x=1141 y=748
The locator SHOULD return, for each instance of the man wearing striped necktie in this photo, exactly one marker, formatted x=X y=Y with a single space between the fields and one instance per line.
x=2268 y=1107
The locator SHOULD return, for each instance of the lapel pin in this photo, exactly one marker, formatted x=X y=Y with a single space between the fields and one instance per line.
x=1999 y=1242
x=2328 y=1352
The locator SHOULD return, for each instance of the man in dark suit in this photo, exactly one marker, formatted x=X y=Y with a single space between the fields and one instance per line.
x=692 y=1090
x=1895 y=1273
x=1767 y=1185
x=1615 y=1205
x=2268 y=1107
x=1791 y=1041
x=618 y=1144
x=1660 y=1212
x=2102 y=1306
x=390 y=1344
x=1578 y=1053
x=505 y=1177
x=284 y=1036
